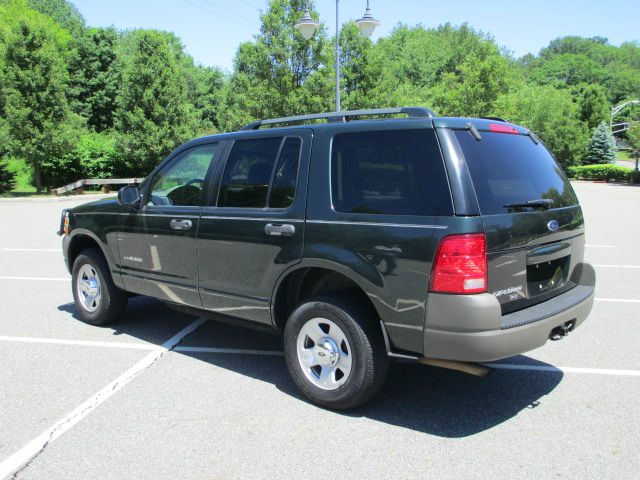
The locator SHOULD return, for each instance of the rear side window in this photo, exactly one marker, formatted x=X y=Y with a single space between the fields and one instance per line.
x=393 y=172
x=512 y=169
x=261 y=173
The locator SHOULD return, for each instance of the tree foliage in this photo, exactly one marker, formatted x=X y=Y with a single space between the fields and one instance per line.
x=7 y=178
x=62 y=12
x=78 y=101
x=95 y=78
x=634 y=141
x=38 y=122
x=153 y=115
x=552 y=115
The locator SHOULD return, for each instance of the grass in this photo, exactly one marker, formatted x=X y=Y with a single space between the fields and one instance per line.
x=623 y=155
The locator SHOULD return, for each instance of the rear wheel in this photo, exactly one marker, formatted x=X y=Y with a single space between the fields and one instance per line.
x=335 y=353
x=98 y=301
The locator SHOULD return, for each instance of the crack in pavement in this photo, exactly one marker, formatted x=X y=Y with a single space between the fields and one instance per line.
x=40 y=443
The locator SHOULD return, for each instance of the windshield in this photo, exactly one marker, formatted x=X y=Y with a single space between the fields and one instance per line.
x=509 y=170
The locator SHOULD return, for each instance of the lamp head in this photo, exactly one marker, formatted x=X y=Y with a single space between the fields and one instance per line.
x=306 y=25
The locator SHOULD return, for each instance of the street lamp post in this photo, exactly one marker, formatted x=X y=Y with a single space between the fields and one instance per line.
x=307 y=27
x=617 y=109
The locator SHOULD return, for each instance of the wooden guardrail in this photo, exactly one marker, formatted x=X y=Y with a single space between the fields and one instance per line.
x=105 y=182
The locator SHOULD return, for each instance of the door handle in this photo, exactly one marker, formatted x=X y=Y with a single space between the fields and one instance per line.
x=285 y=230
x=180 y=224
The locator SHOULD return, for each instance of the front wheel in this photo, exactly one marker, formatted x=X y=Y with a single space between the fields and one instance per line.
x=335 y=354
x=98 y=301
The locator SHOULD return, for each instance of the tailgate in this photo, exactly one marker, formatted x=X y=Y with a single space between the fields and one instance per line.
x=532 y=220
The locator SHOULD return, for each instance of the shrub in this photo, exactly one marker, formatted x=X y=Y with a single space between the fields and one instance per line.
x=23 y=174
x=7 y=178
x=604 y=172
x=95 y=156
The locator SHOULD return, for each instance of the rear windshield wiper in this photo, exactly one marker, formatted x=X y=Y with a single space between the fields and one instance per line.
x=539 y=203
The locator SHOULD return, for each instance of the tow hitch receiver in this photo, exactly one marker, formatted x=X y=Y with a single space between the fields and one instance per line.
x=562 y=331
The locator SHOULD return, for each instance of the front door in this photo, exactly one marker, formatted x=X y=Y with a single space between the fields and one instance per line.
x=158 y=242
x=254 y=228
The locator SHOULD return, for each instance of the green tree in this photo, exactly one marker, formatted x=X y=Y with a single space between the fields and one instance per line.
x=633 y=134
x=280 y=73
x=593 y=104
x=7 y=179
x=552 y=115
x=62 y=12
x=33 y=93
x=455 y=70
x=95 y=77
x=153 y=113
x=357 y=81
x=600 y=146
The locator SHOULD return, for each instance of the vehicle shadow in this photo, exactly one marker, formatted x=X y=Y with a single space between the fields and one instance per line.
x=417 y=397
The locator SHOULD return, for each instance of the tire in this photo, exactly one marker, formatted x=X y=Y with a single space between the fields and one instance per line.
x=98 y=301
x=335 y=353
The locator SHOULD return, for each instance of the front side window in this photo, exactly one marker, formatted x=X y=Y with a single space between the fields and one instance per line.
x=181 y=181
x=393 y=172
x=261 y=173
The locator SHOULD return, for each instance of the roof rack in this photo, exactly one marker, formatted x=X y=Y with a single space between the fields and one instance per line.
x=412 y=112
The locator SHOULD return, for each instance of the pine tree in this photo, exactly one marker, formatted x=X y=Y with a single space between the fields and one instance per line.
x=600 y=146
x=7 y=179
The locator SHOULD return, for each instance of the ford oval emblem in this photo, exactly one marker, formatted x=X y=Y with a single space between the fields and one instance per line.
x=553 y=225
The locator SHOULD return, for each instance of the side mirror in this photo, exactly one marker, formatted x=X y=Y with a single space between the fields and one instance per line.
x=129 y=196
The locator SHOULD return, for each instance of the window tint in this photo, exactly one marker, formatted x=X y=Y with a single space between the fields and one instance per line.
x=248 y=172
x=286 y=174
x=181 y=181
x=508 y=169
x=397 y=172
x=254 y=166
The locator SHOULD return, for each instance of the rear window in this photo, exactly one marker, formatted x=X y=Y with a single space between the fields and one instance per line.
x=510 y=169
x=393 y=172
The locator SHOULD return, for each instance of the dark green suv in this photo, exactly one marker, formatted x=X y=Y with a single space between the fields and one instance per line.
x=445 y=240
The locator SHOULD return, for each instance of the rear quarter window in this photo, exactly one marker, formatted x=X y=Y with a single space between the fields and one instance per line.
x=509 y=169
x=392 y=172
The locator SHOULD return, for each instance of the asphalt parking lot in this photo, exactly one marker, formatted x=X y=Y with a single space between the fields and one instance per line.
x=165 y=395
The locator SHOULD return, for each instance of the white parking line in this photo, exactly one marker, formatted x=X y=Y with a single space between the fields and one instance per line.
x=31 y=249
x=622 y=300
x=600 y=246
x=237 y=351
x=85 y=343
x=38 y=444
x=541 y=368
x=617 y=266
x=36 y=279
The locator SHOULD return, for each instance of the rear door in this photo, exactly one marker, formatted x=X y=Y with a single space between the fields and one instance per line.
x=253 y=228
x=532 y=248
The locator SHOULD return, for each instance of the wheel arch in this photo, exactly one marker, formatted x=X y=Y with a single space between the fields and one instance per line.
x=82 y=239
x=313 y=278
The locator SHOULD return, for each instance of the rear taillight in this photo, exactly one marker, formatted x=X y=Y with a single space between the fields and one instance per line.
x=460 y=265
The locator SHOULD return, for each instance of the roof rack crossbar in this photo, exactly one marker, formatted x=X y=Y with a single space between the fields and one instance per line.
x=412 y=112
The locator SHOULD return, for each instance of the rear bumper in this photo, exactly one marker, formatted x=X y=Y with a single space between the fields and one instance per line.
x=471 y=328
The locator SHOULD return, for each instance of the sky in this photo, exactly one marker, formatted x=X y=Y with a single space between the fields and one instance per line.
x=211 y=30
